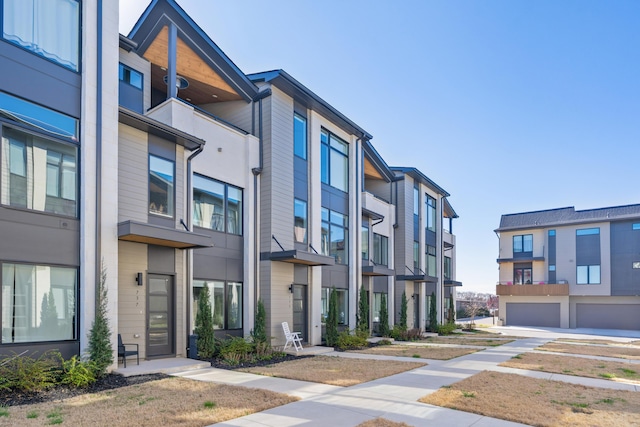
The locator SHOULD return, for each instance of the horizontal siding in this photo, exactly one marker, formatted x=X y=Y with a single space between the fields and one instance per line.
x=132 y=174
x=237 y=113
x=280 y=300
x=132 y=298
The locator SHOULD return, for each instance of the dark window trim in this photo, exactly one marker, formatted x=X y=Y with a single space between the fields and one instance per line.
x=226 y=320
x=172 y=216
x=329 y=148
x=226 y=205
x=306 y=134
x=133 y=70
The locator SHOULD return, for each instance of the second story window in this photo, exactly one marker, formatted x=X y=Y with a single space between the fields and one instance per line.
x=380 y=249
x=431 y=213
x=161 y=186
x=216 y=205
x=523 y=243
x=335 y=235
x=130 y=76
x=431 y=261
x=300 y=136
x=49 y=28
x=38 y=173
x=300 y=221
x=416 y=256
x=334 y=161
x=365 y=242
x=447 y=268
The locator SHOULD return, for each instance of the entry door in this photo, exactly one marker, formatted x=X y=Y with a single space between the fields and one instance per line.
x=300 y=310
x=160 y=318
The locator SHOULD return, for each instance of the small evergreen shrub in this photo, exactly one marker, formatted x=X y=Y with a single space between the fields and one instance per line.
x=27 y=374
x=385 y=342
x=349 y=341
x=403 y=312
x=100 y=349
x=433 y=313
x=363 y=311
x=204 y=325
x=447 y=328
x=332 y=319
x=384 y=317
x=259 y=332
x=77 y=373
x=236 y=350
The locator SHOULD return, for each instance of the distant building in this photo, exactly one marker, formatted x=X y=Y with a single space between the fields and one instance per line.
x=571 y=269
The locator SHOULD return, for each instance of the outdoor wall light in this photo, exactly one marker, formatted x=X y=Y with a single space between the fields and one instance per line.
x=139 y=279
x=291 y=288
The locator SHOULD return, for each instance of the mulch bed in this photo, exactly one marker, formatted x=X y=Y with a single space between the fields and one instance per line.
x=108 y=382
x=276 y=358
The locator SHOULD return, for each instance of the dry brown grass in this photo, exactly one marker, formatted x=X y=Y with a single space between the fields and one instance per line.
x=466 y=340
x=417 y=351
x=539 y=402
x=167 y=402
x=606 y=350
x=595 y=341
x=382 y=422
x=332 y=370
x=579 y=366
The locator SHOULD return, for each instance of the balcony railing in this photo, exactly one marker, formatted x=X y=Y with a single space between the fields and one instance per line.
x=533 y=290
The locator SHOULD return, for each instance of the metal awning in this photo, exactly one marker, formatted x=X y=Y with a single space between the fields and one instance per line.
x=524 y=259
x=297 y=256
x=451 y=283
x=139 y=232
x=377 y=270
x=417 y=278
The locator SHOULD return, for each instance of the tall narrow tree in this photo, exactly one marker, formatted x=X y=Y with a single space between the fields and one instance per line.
x=403 y=312
x=332 y=319
x=384 y=317
x=204 y=325
x=100 y=349
x=363 y=311
x=433 y=314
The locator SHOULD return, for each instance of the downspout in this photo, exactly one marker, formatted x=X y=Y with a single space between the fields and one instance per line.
x=190 y=251
x=98 y=231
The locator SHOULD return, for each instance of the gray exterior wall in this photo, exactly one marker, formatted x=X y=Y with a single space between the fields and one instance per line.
x=625 y=250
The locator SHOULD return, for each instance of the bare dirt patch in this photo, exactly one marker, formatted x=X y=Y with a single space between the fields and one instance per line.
x=382 y=422
x=606 y=350
x=538 y=402
x=167 y=402
x=578 y=366
x=473 y=340
x=332 y=370
x=417 y=351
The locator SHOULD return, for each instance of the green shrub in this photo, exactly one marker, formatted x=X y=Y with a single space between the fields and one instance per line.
x=363 y=311
x=100 y=349
x=433 y=313
x=385 y=342
x=403 y=312
x=77 y=373
x=26 y=374
x=236 y=350
x=259 y=332
x=447 y=328
x=332 y=319
x=204 y=325
x=384 y=317
x=348 y=341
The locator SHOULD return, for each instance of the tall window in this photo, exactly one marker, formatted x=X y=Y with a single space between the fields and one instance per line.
x=38 y=173
x=447 y=268
x=300 y=220
x=416 y=255
x=523 y=243
x=431 y=213
x=522 y=275
x=161 y=183
x=588 y=256
x=226 y=302
x=300 y=136
x=38 y=303
x=335 y=235
x=365 y=242
x=343 y=305
x=50 y=28
x=334 y=161
x=431 y=261
x=380 y=249
x=216 y=205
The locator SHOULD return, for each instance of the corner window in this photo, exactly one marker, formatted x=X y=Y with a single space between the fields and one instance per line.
x=335 y=235
x=216 y=205
x=49 y=28
x=300 y=136
x=523 y=243
x=342 y=307
x=161 y=186
x=431 y=213
x=588 y=275
x=226 y=302
x=300 y=220
x=38 y=173
x=38 y=303
x=334 y=161
x=380 y=249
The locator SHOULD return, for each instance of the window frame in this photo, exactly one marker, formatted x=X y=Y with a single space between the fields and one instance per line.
x=225 y=205
x=297 y=147
x=430 y=204
x=324 y=302
x=431 y=260
x=589 y=279
x=521 y=238
x=328 y=224
x=171 y=202
x=122 y=71
x=326 y=163
x=225 y=301
x=380 y=249
x=305 y=220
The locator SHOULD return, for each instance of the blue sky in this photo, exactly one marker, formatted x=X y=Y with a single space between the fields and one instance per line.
x=509 y=105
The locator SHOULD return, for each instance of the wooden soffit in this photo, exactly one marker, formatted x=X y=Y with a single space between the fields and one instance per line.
x=205 y=84
x=370 y=171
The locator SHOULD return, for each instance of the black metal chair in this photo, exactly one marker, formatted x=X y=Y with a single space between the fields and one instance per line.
x=123 y=352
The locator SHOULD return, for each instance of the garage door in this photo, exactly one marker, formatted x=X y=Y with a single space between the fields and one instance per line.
x=608 y=316
x=532 y=314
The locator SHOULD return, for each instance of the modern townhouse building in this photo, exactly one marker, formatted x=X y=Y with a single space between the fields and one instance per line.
x=424 y=251
x=571 y=269
x=58 y=164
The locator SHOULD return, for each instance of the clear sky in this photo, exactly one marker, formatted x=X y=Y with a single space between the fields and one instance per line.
x=509 y=105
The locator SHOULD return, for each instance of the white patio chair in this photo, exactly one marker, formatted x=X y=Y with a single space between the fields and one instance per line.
x=293 y=338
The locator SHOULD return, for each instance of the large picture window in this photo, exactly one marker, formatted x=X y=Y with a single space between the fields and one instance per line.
x=300 y=221
x=216 y=205
x=523 y=243
x=38 y=173
x=335 y=235
x=334 y=161
x=49 y=28
x=300 y=136
x=431 y=213
x=38 y=303
x=588 y=275
x=380 y=249
x=161 y=186
x=342 y=307
x=226 y=302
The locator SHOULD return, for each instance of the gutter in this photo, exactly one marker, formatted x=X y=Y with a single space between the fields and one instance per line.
x=98 y=230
